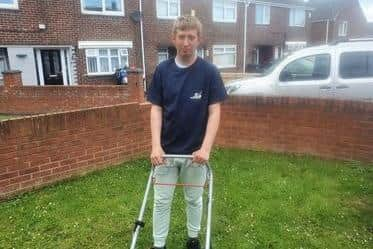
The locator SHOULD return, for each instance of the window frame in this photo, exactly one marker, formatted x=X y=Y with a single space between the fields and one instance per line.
x=13 y=5
x=109 y=56
x=343 y=29
x=293 y=16
x=168 y=10
x=225 y=47
x=225 y=5
x=264 y=6
x=104 y=12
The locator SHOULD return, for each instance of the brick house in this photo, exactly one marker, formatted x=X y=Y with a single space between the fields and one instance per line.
x=83 y=41
x=276 y=27
x=272 y=28
x=67 y=42
x=342 y=19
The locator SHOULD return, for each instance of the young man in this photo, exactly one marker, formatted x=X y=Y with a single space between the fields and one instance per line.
x=185 y=93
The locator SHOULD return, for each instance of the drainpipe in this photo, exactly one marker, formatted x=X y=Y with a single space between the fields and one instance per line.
x=244 y=38
x=142 y=46
x=327 y=32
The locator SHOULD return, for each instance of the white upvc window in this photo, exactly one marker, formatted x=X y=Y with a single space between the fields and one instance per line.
x=162 y=55
x=103 y=7
x=342 y=28
x=224 y=56
x=297 y=17
x=9 y=4
x=103 y=61
x=168 y=9
x=224 y=11
x=262 y=14
x=292 y=46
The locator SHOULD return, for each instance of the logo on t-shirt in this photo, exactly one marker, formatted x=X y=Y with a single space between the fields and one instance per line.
x=197 y=95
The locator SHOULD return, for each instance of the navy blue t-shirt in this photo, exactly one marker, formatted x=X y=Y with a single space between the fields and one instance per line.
x=185 y=95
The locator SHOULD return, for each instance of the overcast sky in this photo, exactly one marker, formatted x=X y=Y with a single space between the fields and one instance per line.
x=368 y=9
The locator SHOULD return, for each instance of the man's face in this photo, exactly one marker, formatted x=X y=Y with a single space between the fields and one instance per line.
x=186 y=42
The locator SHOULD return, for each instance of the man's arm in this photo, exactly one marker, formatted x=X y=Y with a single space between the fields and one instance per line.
x=202 y=155
x=157 y=153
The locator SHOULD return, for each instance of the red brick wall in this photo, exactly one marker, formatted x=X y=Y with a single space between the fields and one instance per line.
x=40 y=150
x=15 y=99
x=327 y=128
x=43 y=99
x=318 y=33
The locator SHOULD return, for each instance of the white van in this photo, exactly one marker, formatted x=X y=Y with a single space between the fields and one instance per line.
x=343 y=70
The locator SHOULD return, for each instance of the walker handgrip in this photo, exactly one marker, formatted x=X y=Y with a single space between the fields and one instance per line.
x=177 y=156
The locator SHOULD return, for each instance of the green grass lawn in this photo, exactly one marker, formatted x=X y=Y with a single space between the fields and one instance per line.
x=262 y=200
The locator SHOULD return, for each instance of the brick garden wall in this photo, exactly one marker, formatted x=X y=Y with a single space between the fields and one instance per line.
x=40 y=150
x=34 y=100
x=18 y=99
x=327 y=128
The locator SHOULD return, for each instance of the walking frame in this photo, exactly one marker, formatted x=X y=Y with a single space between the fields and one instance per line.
x=139 y=223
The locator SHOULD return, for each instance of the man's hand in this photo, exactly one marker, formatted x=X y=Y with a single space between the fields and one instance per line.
x=201 y=156
x=156 y=156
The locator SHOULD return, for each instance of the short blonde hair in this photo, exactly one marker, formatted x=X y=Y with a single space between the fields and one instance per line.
x=187 y=22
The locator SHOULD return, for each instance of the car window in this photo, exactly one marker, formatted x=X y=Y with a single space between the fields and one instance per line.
x=273 y=65
x=315 y=67
x=356 y=65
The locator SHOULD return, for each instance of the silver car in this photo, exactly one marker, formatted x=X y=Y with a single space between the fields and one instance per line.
x=343 y=70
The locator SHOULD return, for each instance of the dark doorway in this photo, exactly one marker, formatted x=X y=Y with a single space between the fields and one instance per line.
x=265 y=55
x=51 y=60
